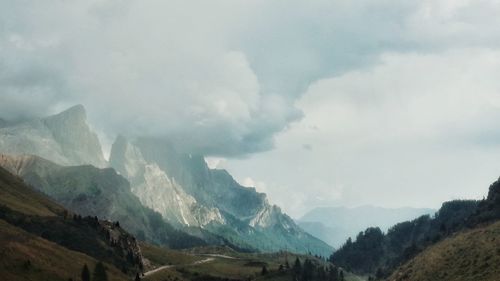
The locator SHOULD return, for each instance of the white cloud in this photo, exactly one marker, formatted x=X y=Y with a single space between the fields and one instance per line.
x=397 y=96
x=414 y=130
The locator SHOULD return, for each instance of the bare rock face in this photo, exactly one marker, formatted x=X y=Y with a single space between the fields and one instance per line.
x=159 y=191
x=64 y=138
x=127 y=243
x=187 y=193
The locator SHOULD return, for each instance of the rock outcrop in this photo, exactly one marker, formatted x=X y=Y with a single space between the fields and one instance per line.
x=64 y=138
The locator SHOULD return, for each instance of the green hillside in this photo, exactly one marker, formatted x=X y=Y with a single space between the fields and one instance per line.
x=29 y=257
x=91 y=191
x=43 y=241
x=468 y=255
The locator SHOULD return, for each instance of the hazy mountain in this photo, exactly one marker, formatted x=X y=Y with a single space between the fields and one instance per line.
x=335 y=224
x=373 y=251
x=208 y=198
x=64 y=138
x=207 y=203
x=470 y=254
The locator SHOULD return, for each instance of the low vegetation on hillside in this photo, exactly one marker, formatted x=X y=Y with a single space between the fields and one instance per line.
x=468 y=255
x=221 y=263
x=376 y=253
x=32 y=224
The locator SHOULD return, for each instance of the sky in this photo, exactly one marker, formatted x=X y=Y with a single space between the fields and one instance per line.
x=317 y=103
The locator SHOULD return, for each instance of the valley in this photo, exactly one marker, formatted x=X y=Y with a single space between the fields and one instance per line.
x=256 y=140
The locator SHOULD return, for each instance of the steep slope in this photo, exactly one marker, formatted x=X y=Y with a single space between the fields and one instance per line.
x=335 y=224
x=468 y=255
x=157 y=189
x=488 y=209
x=29 y=257
x=373 y=251
x=64 y=138
x=25 y=234
x=472 y=254
x=330 y=235
x=208 y=198
x=96 y=192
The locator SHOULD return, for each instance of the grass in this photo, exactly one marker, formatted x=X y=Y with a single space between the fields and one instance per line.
x=468 y=255
x=15 y=195
x=159 y=256
x=242 y=266
x=29 y=257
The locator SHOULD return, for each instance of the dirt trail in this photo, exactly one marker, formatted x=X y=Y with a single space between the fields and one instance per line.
x=171 y=266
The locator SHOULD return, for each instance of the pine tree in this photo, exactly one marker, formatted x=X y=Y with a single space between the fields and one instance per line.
x=297 y=269
x=100 y=272
x=137 y=277
x=307 y=270
x=264 y=270
x=85 y=273
x=341 y=275
x=333 y=273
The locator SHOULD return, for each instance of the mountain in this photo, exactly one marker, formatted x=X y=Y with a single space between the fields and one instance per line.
x=447 y=246
x=488 y=209
x=179 y=187
x=330 y=235
x=184 y=190
x=40 y=240
x=373 y=251
x=335 y=224
x=472 y=254
x=64 y=138
x=91 y=191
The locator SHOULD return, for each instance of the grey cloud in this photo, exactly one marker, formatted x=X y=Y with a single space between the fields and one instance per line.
x=216 y=77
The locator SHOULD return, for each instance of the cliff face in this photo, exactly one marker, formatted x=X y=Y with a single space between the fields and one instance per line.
x=207 y=203
x=64 y=138
x=157 y=189
x=185 y=191
x=123 y=241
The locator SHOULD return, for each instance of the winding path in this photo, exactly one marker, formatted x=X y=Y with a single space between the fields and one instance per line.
x=171 y=266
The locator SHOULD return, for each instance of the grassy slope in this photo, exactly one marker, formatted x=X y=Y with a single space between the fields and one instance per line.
x=17 y=197
x=244 y=265
x=159 y=256
x=468 y=255
x=48 y=261
x=91 y=191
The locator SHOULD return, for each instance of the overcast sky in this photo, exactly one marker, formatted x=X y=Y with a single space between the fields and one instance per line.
x=317 y=103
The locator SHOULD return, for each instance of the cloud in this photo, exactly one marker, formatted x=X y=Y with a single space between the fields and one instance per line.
x=414 y=130
x=143 y=69
x=219 y=78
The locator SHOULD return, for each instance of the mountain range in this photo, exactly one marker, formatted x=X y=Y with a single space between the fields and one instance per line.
x=335 y=224
x=147 y=185
x=459 y=242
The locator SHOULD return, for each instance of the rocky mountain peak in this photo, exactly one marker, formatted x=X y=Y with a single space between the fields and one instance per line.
x=64 y=138
x=73 y=115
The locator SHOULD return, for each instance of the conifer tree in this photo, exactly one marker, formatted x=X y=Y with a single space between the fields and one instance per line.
x=100 y=273
x=264 y=270
x=85 y=273
x=297 y=267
